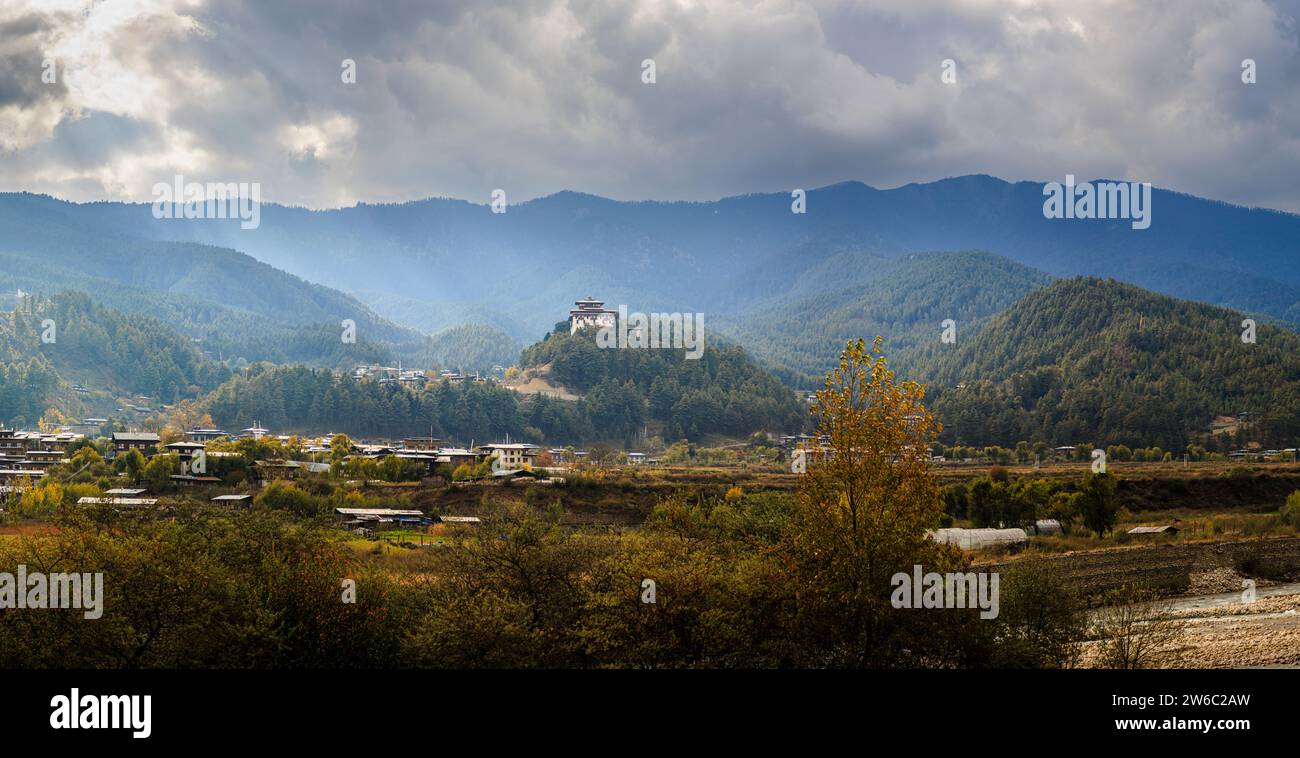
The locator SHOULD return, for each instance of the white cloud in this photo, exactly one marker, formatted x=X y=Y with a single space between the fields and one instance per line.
x=456 y=98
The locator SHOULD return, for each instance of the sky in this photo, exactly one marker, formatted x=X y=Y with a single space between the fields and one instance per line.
x=457 y=98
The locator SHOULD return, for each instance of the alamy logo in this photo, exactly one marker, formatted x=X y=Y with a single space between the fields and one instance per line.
x=968 y=589
x=1130 y=200
x=77 y=711
x=41 y=591
x=656 y=330
x=192 y=200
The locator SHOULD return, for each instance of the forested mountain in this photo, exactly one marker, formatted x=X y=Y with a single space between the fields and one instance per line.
x=238 y=307
x=622 y=393
x=300 y=399
x=473 y=348
x=719 y=257
x=69 y=338
x=1091 y=360
x=905 y=300
x=723 y=391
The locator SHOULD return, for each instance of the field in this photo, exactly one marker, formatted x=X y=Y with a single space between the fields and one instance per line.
x=1230 y=533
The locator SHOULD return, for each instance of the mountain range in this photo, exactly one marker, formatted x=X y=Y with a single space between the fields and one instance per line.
x=449 y=282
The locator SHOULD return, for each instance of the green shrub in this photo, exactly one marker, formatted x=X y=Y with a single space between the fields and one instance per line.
x=1290 y=511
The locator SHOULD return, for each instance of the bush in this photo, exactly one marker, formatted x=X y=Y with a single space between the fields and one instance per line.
x=285 y=496
x=1290 y=511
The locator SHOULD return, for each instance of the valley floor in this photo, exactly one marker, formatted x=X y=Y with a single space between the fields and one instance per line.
x=1221 y=631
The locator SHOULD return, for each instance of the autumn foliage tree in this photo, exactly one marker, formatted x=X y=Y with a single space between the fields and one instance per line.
x=864 y=507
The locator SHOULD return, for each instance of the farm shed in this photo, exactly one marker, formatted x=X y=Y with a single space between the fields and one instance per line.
x=1164 y=529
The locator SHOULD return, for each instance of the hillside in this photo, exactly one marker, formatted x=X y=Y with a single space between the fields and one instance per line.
x=619 y=394
x=722 y=392
x=904 y=299
x=470 y=348
x=237 y=307
x=106 y=352
x=1090 y=360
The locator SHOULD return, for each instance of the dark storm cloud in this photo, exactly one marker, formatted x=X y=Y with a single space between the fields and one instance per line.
x=22 y=55
x=459 y=98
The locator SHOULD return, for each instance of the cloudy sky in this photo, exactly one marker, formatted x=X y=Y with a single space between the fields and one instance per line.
x=458 y=97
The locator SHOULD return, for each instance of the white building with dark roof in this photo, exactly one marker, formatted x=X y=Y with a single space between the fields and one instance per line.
x=589 y=312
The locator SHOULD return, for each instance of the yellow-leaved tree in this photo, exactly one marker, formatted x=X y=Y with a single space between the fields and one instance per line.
x=865 y=505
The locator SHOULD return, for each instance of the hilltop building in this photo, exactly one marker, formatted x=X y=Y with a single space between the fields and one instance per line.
x=591 y=312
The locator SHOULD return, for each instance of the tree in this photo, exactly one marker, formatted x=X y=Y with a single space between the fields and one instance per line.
x=185 y=416
x=159 y=470
x=340 y=449
x=1290 y=511
x=1135 y=631
x=132 y=462
x=1097 y=505
x=864 y=507
x=1042 y=617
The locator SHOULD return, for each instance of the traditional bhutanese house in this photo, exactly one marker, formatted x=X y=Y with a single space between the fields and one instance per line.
x=381 y=518
x=206 y=435
x=456 y=456
x=50 y=456
x=428 y=460
x=255 y=432
x=426 y=444
x=268 y=470
x=185 y=450
x=1147 y=530
x=636 y=458
x=979 y=539
x=373 y=451
x=190 y=480
x=142 y=441
x=59 y=442
x=126 y=491
x=14 y=476
x=41 y=459
x=511 y=455
x=13 y=444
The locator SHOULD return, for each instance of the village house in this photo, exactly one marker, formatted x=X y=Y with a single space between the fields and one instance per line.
x=456 y=456
x=266 y=471
x=142 y=441
x=185 y=450
x=427 y=459
x=60 y=441
x=192 y=480
x=42 y=459
x=17 y=479
x=254 y=432
x=511 y=456
x=373 y=519
x=205 y=435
